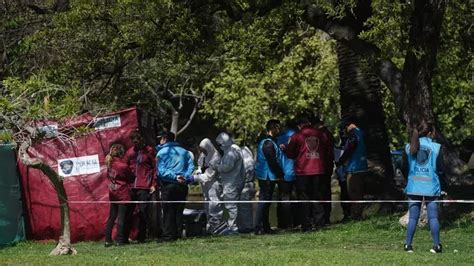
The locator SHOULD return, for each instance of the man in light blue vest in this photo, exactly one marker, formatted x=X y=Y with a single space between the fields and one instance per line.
x=269 y=172
x=286 y=212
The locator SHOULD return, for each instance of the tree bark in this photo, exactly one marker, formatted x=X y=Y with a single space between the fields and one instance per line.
x=63 y=246
x=360 y=97
x=418 y=70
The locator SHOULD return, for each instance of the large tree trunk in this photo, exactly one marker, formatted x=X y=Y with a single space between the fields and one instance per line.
x=420 y=62
x=63 y=246
x=360 y=97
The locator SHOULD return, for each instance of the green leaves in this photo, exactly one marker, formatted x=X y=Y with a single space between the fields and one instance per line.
x=272 y=69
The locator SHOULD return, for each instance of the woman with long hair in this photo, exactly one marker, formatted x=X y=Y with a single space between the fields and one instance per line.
x=120 y=178
x=423 y=158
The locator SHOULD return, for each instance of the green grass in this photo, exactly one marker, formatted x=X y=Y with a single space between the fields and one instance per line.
x=374 y=241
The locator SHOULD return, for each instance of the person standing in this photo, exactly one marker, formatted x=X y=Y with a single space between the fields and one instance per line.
x=287 y=213
x=325 y=189
x=269 y=172
x=355 y=164
x=423 y=158
x=209 y=179
x=175 y=165
x=245 y=217
x=141 y=160
x=309 y=148
x=120 y=178
x=232 y=173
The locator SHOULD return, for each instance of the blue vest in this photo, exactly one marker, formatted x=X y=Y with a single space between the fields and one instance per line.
x=262 y=169
x=287 y=164
x=422 y=177
x=358 y=160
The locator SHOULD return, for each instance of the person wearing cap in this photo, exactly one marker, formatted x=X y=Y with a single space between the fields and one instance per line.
x=269 y=173
x=309 y=147
x=211 y=186
x=354 y=161
x=141 y=161
x=175 y=165
x=232 y=171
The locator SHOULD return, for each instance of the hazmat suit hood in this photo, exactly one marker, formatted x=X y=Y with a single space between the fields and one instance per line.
x=224 y=140
x=206 y=144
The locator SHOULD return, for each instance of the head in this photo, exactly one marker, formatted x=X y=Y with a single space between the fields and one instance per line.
x=206 y=146
x=302 y=121
x=117 y=150
x=224 y=140
x=166 y=136
x=348 y=123
x=273 y=127
x=137 y=139
x=317 y=121
x=425 y=129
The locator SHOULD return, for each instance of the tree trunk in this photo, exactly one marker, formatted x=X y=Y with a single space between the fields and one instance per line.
x=360 y=97
x=420 y=62
x=64 y=246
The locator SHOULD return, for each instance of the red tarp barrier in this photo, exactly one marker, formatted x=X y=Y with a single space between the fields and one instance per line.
x=81 y=162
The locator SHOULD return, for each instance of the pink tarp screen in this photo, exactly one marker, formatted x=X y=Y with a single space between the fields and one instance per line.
x=81 y=162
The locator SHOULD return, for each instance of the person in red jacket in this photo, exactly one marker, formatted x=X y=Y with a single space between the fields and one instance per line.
x=325 y=188
x=141 y=160
x=120 y=179
x=309 y=147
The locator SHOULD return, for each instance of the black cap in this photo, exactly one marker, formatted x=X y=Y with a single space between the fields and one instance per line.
x=170 y=136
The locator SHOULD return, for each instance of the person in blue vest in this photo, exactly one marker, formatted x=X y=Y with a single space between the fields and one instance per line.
x=269 y=172
x=285 y=210
x=175 y=165
x=423 y=158
x=354 y=160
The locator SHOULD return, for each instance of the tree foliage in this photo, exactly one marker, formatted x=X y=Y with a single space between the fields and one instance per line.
x=251 y=59
x=272 y=67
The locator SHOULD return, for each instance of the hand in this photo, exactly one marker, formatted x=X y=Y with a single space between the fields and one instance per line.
x=190 y=179
x=181 y=179
x=282 y=147
x=152 y=189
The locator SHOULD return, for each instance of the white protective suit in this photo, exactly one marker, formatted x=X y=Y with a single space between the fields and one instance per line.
x=208 y=177
x=232 y=174
x=245 y=218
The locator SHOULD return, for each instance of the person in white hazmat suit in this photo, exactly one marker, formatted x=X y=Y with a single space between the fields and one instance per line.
x=209 y=179
x=245 y=218
x=232 y=172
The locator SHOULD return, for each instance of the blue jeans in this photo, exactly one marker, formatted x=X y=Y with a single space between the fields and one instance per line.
x=414 y=207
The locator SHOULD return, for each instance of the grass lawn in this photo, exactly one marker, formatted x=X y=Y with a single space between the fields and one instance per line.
x=375 y=241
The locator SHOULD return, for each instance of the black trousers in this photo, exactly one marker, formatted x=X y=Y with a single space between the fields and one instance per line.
x=141 y=195
x=267 y=188
x=119 y=212
x=173 y=212
x=309 y=188
x=285 y=210
x=326 y=195
x=346 y=207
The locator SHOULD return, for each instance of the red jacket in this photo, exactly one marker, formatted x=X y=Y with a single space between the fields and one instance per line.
x=143 y=166
x=120 y=180
x=330 y=149
x=309 y=147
